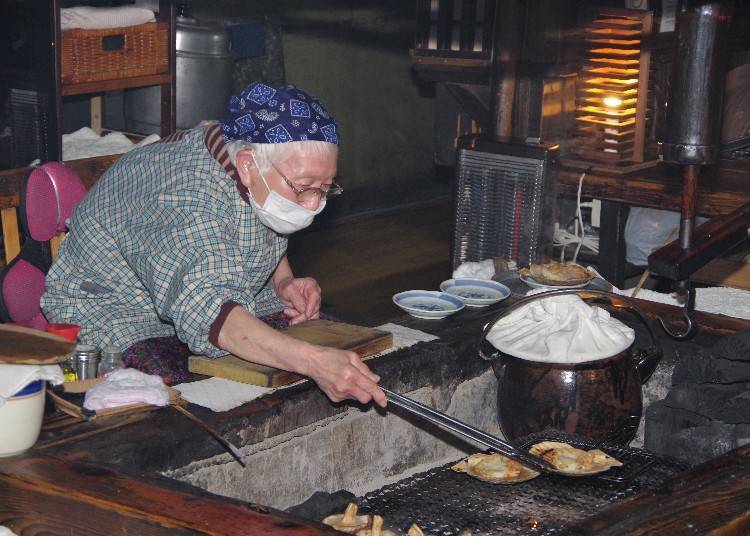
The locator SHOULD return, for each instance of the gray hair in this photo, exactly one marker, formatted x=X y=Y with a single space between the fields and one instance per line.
x=278 y=153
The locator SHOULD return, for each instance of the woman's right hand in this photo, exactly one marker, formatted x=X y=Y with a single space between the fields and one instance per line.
x=341 y=374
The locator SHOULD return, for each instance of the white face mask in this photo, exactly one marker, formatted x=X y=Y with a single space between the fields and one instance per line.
x=281 y=214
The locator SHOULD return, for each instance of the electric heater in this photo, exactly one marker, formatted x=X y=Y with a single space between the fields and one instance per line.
x=501 y=200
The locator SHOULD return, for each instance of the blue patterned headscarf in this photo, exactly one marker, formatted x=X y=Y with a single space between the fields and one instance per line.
x=263 y=114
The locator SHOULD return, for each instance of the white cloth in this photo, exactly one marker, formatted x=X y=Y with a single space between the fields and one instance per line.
x=560 y=329
x=98 y=18
x=475 y=270
x=85 y=143
x=219 y=394
x=5 y=531
x=13 y=378
x=124 y=387
x=717 y=300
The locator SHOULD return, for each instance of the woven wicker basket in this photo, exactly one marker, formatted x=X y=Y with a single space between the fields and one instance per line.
x=113 y=53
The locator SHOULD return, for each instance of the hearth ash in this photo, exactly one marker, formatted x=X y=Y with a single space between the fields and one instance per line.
x=707 y=410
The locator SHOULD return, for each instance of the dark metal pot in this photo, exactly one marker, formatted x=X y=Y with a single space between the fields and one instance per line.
x=598 y=399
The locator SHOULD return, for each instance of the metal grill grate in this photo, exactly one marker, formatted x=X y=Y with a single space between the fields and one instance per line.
x=443 y=502
x=499 y=202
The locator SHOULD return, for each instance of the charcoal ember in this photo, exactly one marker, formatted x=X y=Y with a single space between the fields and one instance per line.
x=321 y=504
x=662 y=421
x=702 y=368
x=727 y=403
x=735 y=346
x=702 y=443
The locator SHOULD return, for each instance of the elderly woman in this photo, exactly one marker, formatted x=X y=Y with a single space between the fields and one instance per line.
x=180 y=246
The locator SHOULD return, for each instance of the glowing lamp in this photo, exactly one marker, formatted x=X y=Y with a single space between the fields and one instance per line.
x=611 y=99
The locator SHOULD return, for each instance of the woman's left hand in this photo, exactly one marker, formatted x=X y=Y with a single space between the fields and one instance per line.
x=301 y=298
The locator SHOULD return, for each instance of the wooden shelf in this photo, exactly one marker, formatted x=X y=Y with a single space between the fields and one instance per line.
x=103 y=86
x=166 y=14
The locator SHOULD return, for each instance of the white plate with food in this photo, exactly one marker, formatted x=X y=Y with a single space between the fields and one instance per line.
x=556 y=275
x=530 y=281
x=476 y=292
x=428 y=304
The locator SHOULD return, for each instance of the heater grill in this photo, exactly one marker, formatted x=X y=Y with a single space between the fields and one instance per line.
x=500 y=200
x=444 y=502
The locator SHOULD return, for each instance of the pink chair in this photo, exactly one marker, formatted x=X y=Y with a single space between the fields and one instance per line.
x=48 y=197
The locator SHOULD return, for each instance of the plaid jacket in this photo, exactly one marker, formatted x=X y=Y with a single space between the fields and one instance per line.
x=163 y=240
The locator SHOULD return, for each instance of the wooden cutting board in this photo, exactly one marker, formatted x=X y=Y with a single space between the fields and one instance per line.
x=365 y=341
x=27 y=346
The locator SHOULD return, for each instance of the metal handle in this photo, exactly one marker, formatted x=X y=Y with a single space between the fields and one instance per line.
x=455 y=426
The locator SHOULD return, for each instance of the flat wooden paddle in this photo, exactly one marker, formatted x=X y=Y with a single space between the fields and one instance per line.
x=27 y=346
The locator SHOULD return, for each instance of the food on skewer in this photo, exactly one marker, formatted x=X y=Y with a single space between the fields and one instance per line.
x=349 y=521
x=494 y=468
x=377 y=528
x=573 y=461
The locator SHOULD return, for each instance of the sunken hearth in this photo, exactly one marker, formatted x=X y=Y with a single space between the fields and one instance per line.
x=707 y=410
x=296 y=444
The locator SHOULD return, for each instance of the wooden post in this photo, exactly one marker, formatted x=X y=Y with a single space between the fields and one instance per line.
x=11 y=239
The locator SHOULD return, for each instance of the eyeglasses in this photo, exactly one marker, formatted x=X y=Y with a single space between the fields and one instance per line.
x=309 y=194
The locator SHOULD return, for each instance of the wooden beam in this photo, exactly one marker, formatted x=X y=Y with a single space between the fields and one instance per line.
x=721 y=189
x=713 y=498
x=94 y=499
x=95 y=105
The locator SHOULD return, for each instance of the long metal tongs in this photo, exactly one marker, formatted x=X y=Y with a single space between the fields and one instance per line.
x=457 y=427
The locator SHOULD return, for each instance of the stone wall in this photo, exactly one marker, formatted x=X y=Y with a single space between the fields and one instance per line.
x=356 y=450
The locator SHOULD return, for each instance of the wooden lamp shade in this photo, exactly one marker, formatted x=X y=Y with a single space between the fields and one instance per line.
x=612 y=92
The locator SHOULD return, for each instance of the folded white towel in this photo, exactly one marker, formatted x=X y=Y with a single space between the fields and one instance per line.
x=85 y=143
x=124 y=387
x=475 y=270
x=98 y=18
x=13 y=378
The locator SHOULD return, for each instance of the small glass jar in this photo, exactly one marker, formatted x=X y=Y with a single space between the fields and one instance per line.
x=111 y=360
x=85 y=361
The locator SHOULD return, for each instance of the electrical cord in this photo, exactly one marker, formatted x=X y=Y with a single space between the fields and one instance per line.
x=564 y=238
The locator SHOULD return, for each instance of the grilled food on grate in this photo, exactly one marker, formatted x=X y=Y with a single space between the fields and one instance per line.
x=376 y=529
x=349 y=521
x=494 y=468
x=557 y=273
x=573 y=461
x=414 y=530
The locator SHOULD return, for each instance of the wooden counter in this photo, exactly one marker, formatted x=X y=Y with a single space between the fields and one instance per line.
x=721 y=189
x=102 y=477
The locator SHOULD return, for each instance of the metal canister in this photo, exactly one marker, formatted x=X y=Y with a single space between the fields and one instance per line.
x=85 y=361
x=204 y=64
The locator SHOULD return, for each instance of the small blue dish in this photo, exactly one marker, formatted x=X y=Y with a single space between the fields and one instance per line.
x=476 y=292
x=428 y=304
